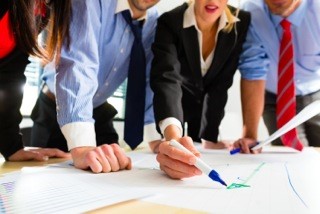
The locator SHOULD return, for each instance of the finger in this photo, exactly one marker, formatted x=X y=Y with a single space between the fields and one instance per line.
x=237 y=144
x=103 y=159
x=230 y=147
x=109 y=154
x=92 y=161
x=53 y=153
x=23 y=155
x=176 y=154
x=178 y=166
x=244 y=147
x=188 y=143
x=129 y=166
x=123 y=160
x=174 y=174
x=256 y=151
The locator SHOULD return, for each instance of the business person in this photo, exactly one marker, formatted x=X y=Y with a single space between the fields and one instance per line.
x=106 y=44
x=280 y=69
x=20 y=23
x=196 y=53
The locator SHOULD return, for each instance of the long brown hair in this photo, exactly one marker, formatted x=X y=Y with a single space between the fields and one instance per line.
x=25 y=26
x=59 y=24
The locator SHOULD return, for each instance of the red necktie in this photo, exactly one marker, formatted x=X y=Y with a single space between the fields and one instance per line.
x=286 y=98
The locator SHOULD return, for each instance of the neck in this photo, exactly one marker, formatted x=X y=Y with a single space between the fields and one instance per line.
x=136 y=12
x=205 y=27
x=294 y=5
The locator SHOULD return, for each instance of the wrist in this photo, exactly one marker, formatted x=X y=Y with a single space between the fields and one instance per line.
x=172 y=132
x=249 y=133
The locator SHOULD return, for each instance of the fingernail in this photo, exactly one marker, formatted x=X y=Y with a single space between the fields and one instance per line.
x=192 y=161
x=198 y=172
x=45 y=158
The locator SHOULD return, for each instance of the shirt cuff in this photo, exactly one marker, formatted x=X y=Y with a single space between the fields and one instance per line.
x=79 y=134
x=150 y=133
x=170 y=121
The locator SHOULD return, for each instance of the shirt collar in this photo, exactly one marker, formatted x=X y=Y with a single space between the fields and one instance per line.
x=189 y=18
x=124 y=5
x=294 y=18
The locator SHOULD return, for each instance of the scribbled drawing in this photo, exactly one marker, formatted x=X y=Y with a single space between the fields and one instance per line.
x=245 y=181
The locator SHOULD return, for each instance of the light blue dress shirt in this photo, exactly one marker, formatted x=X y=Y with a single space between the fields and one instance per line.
x=260 y=56
x=95 y=65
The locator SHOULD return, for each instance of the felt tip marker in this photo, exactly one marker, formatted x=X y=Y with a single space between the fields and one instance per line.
x=237 y=150
x=205 y=168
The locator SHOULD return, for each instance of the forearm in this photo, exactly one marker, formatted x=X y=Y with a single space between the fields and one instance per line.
x=10 y=118
x=252 y=100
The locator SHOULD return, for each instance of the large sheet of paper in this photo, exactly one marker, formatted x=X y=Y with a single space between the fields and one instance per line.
x=60 y=189
x=280 y=180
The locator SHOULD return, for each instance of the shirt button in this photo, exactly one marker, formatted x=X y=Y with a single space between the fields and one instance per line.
x=106 y=84
x=121 y=50
x=57 y=108
x=114 y=69
x=127 y=30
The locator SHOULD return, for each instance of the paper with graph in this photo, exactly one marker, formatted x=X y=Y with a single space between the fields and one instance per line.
x=280 y=180
x=57 y=189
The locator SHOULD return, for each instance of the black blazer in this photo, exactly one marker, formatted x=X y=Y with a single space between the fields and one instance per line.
x=180 y=91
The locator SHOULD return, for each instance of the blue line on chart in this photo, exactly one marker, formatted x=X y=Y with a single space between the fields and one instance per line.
x=294 y=190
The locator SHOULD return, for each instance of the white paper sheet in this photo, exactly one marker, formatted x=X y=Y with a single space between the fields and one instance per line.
x=56 y=189
x=281 y=180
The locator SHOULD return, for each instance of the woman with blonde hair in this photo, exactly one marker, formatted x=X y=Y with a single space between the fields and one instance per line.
x=196 y=53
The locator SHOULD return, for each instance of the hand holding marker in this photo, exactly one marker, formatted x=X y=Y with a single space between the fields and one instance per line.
x=200 y=164
x=305 y=114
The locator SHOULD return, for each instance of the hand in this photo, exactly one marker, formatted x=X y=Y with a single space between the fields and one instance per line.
x=176 y=163
x=219 y=145
x=154 y=145
x=245 y=144
x=105 y=158
x=37 y=155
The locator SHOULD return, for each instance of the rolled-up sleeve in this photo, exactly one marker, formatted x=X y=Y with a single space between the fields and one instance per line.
x=76 y=78
x=254 y=62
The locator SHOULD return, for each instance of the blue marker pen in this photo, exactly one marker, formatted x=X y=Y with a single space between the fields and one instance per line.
x=237 y=150
x=200 y=164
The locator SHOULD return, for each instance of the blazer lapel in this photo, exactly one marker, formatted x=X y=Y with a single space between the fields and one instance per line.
x=191 y=46
x=224 y=47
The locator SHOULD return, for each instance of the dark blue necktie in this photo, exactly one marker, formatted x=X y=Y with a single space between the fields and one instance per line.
x=136 y=87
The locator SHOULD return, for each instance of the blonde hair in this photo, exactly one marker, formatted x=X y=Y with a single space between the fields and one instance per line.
x=230 y=18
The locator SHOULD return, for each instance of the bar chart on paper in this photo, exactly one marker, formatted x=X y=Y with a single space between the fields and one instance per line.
x=59 y=191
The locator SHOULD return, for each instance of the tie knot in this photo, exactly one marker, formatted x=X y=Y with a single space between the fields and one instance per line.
x=136 y=26
x=285 y=25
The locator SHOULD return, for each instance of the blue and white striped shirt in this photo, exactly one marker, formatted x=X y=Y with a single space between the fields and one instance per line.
x=260 y=56
x=95 y=65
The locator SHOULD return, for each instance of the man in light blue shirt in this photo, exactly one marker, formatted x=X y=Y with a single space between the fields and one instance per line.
x=259 y=64
x=89 y=72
